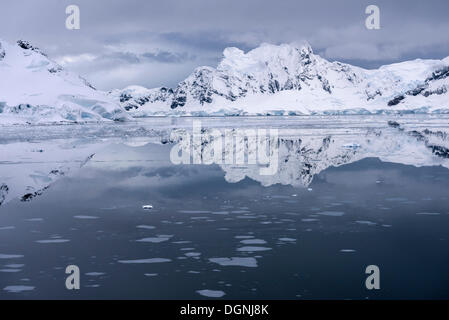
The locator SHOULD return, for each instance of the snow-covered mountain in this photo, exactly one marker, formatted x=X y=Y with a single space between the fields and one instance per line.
x=280 y=80
x=34 y=88
x=291 y=79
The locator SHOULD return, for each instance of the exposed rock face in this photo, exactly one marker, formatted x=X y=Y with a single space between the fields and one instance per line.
x=3 y=192
x=2 y=52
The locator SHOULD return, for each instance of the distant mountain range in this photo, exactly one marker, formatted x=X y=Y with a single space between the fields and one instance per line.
x=270 y=80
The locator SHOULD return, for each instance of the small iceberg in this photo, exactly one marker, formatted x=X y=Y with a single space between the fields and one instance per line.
x=235 y=262
x=211 y=293
x=18 y=289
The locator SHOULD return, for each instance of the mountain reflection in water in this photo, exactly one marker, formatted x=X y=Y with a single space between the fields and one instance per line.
x=347 y=194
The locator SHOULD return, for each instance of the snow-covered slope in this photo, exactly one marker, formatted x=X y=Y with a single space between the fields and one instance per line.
x=33 y=89
x=291 y=79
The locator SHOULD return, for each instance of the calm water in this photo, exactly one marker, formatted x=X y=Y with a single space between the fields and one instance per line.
x=244 y=238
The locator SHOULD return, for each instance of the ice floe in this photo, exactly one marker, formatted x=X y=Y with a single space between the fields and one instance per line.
x=428 y=213
x=211 y=293
x=10 y=256
x=253 y=249
x=331 y=213
x=86 y=217
x=235 y=262
x=143 y=261
x=49 y=241
x=253 y=241
x=146 y=227
x=18 y=289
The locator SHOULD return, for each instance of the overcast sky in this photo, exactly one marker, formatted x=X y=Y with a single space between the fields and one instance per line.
x=155 y=43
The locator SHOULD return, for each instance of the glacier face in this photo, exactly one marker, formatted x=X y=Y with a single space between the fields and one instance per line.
x=34 y=88
x=291 y=79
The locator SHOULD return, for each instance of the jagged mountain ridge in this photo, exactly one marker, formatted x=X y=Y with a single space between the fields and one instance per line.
x=33 y=88
x=291 y=79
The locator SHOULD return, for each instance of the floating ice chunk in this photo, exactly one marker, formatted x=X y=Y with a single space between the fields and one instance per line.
x=244 y=237
x=369 y=223
x=147 y=207
x=309 y=220
x=253 y=241
x=247 y=217
x=235 y=262
x=193 y=211
x=396 y=199
x=10 y=270
x=347 y=250
x=221 y=212
x=141 y=261
x=10 y=256
x=309 y=189
x=151 y=274
x=287 y=239
x=211 y=293
x=52 y=241
x=192 y=254
x=86 y=217
x=14 y=266
x=240 y=211
x=158 y=239
x=35 y=220
x=7 y=228
x=146 y=227
x=428 y=213
x=253 y=249
x=331 y=213
x=94 y=274
x=18 y=289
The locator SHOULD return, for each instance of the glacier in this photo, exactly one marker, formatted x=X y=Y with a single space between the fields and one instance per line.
x=35 y=89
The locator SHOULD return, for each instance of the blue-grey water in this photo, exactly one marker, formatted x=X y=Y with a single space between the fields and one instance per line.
x=207 y=234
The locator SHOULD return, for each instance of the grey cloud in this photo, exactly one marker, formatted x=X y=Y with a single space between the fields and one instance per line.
x=126 y=57
x=210 y=40
x=148 y=42
x=167 y=57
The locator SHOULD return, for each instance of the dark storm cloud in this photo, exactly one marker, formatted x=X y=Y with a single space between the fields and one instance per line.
x=156 y=43
x=126 y=57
